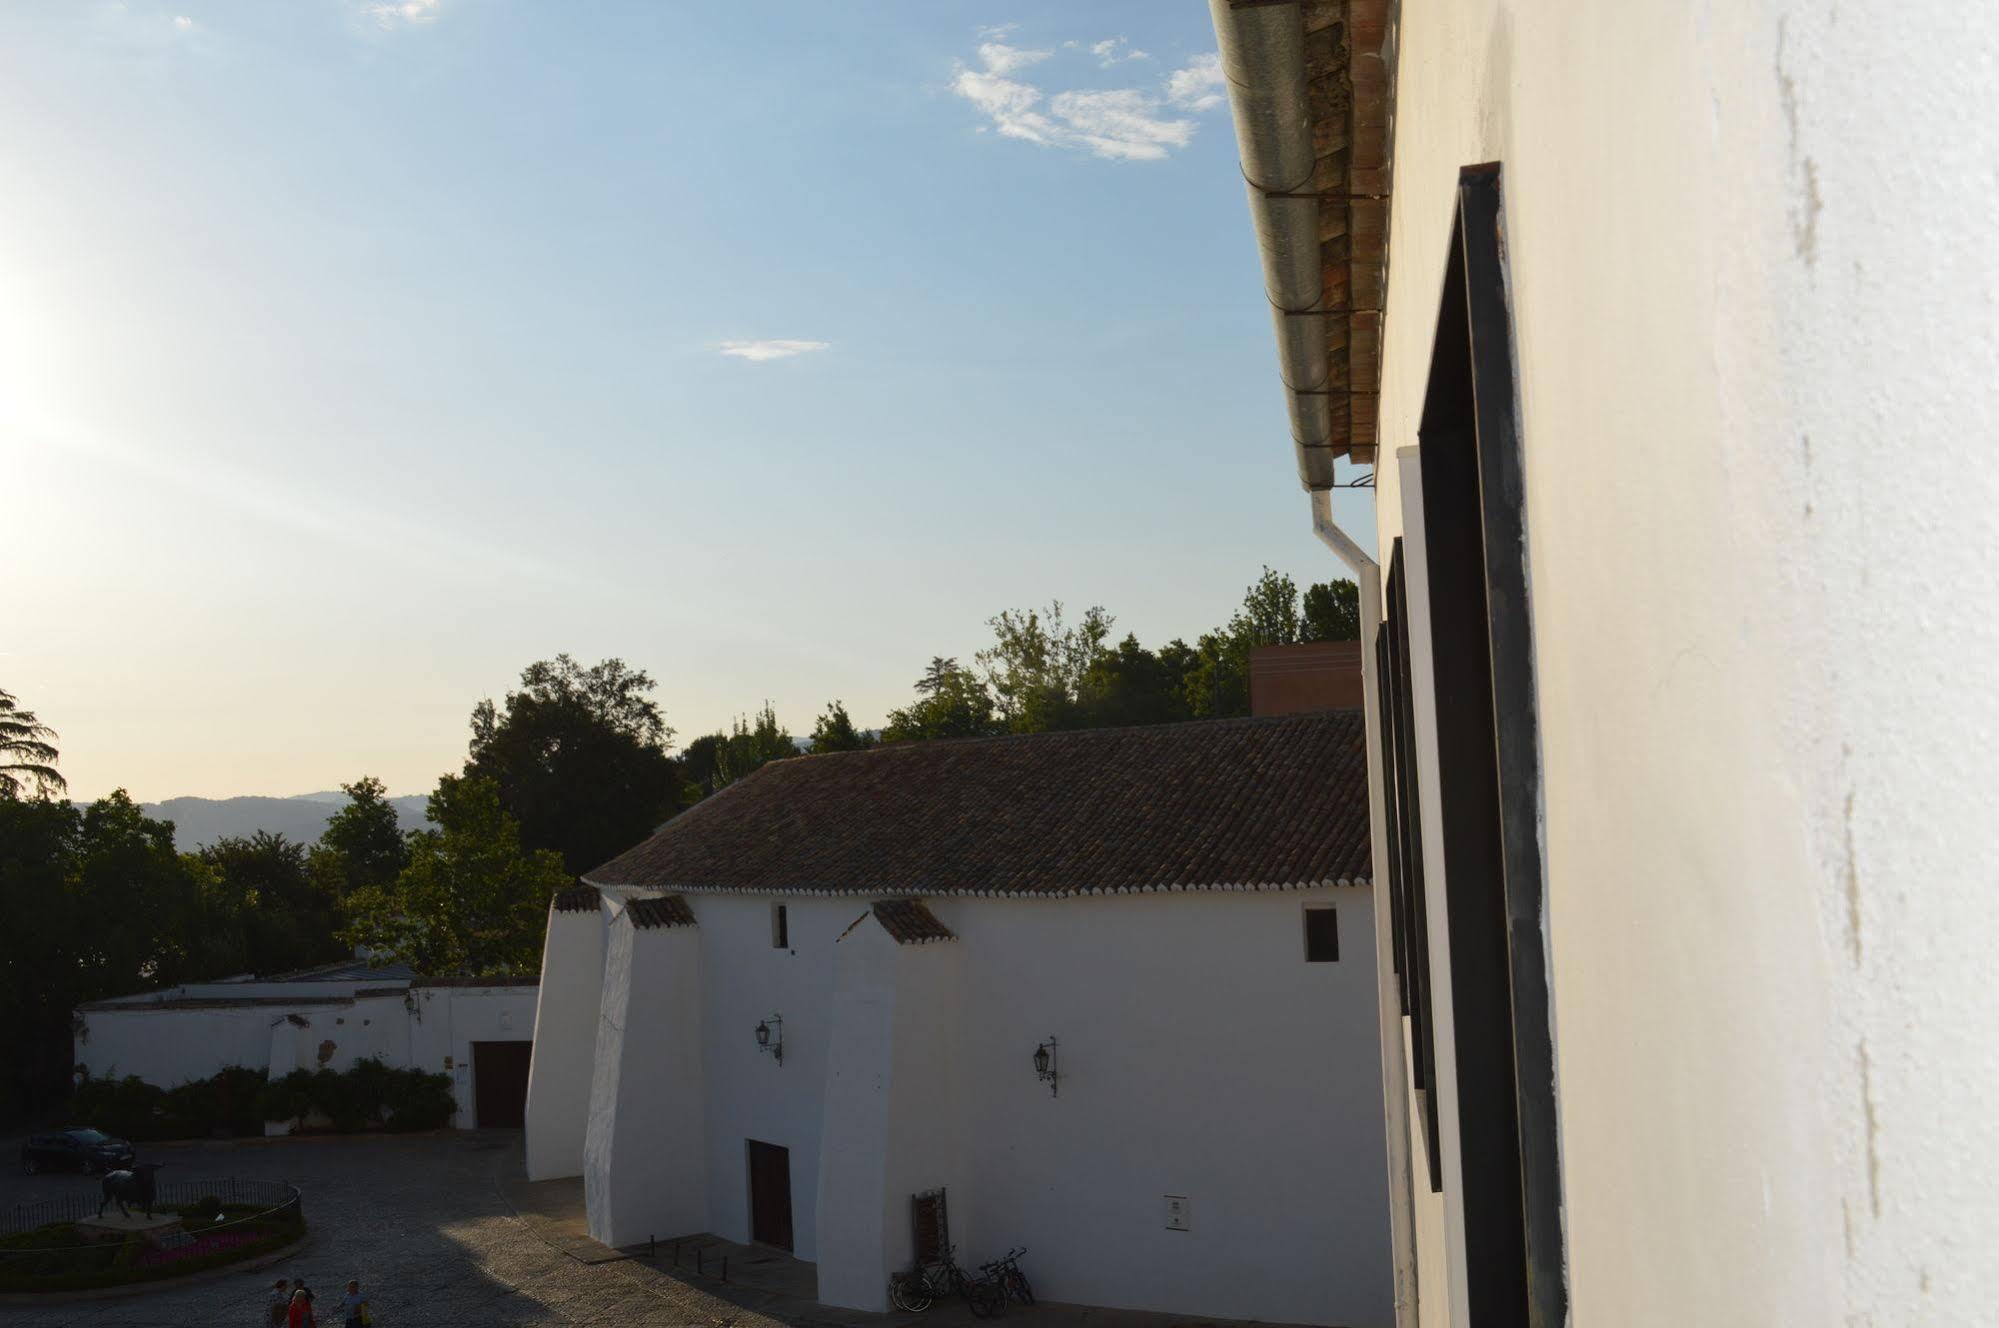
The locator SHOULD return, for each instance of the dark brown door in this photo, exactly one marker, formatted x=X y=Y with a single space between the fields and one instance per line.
x=770 y=1194
x=500 y=1083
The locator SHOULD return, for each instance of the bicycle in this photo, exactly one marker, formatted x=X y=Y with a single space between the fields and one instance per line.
x=1006 y=1271
x=916 y=1291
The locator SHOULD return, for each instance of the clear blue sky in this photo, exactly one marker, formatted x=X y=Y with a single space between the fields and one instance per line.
x=352 y=356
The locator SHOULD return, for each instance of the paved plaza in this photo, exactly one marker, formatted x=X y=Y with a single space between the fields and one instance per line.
x=441 y=1231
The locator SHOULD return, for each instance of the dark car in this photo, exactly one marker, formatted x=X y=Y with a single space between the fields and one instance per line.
x=78 y=1148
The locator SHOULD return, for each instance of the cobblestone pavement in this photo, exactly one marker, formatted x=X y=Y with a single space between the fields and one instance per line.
x=420 y=1220
x=433 y=1226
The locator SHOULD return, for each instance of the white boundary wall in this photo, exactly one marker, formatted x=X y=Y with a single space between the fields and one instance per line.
x=172 y=1042
x=1754 y=269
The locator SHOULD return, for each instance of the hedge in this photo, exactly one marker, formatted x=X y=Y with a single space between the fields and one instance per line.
x=237 y=1101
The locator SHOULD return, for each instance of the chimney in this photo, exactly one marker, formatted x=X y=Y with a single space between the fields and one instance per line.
x=1289 y=680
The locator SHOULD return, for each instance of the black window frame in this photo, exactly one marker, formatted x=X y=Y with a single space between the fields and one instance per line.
x=1490 y=785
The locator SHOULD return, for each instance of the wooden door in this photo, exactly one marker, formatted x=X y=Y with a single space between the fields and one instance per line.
x=500 y=1084
x=770 y=1194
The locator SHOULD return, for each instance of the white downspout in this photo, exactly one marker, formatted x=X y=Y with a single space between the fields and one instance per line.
x=1388 y=996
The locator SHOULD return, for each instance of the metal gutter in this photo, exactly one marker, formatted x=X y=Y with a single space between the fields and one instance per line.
x=1263 y=58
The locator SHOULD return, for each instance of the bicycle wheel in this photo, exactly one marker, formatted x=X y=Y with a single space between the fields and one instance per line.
x=909 y=1294
x=1017 y=1287
x=986 y=1299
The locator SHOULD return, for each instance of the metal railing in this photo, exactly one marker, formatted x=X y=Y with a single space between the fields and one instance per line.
x=22 y=1265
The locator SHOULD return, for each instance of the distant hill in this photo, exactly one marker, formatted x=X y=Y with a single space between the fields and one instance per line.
x=199 y=821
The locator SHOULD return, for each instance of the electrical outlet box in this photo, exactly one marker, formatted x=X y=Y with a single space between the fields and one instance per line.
x=1179 y=1213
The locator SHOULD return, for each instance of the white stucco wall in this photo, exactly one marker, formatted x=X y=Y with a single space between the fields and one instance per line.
x=750 y=1096
x=645 y=1153
x=1201 y=1056
x=1754 y=271
x=450 y=1019
x=565 y=1043
x=172 y=1043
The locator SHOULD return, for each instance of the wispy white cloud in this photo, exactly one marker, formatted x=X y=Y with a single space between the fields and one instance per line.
x=999 y=58
x=995 y=31
x=390 y=13
x=1117 y=124
x=183 y=22
x=1197 y=85
x=1116 y=51
x=782 y=348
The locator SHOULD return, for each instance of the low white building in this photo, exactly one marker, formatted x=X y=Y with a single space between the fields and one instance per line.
x=477 y=1030
x=820 y=994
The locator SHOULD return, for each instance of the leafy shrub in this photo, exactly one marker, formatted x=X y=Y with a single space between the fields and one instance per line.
x=207 y=1208
x=418 y=1101
x=238 y=1101
x=130 y=1107
x=285 y=1099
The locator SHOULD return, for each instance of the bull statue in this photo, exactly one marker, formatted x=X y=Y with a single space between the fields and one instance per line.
x=134 y=1186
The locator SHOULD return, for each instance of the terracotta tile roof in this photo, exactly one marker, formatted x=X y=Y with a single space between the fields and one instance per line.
x=1224 y=804
x=666 y=911
x=910 y=923
x=576 y=899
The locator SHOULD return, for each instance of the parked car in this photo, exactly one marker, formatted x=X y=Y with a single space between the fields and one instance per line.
x=78 y=1148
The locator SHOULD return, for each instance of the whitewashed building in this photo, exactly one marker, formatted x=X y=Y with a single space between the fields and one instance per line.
x=1659 y=344
x=476 y=1030
x=821 y=993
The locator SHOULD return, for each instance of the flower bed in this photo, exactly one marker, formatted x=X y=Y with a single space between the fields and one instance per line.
x=56 y=1256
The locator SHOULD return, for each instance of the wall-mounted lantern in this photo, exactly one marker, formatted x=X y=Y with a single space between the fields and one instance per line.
x=1046 y=1069
x=770 y=1036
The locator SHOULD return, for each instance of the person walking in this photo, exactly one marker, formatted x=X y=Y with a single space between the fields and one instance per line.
x=300 y=1313
x=354 y=1307
x=274 y=1308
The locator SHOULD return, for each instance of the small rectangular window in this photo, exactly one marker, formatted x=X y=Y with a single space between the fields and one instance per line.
x=780 y=932
x=1322 y=935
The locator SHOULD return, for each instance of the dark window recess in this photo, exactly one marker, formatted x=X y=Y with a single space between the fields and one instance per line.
x=1489 y=783
x=1322 y=936
x=780 y=928
x=1409 y=911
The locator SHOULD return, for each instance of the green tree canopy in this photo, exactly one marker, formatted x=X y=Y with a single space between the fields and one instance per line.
x=286 y=917
x=1036 y=666
x=1331 y=612
x=950 y=702
x=835 y=732
x=27 y=753
x=1129 y=684
x=94 y=902
x=473 y=900
x=362 y=844
x=752 y=744
x=579 y=756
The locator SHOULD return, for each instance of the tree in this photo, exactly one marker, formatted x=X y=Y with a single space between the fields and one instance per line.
x=1035 y=668
x=94 y=902
x=579 y=757
x=288 y=914
x=1218 y=683
x=751 y=745
x=950 y=702
x=473 y=901
x=835 y=732
x=27 y=756
x=362 y=844
x=1331 y=612
x=701 y=763
x=1132 y=685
